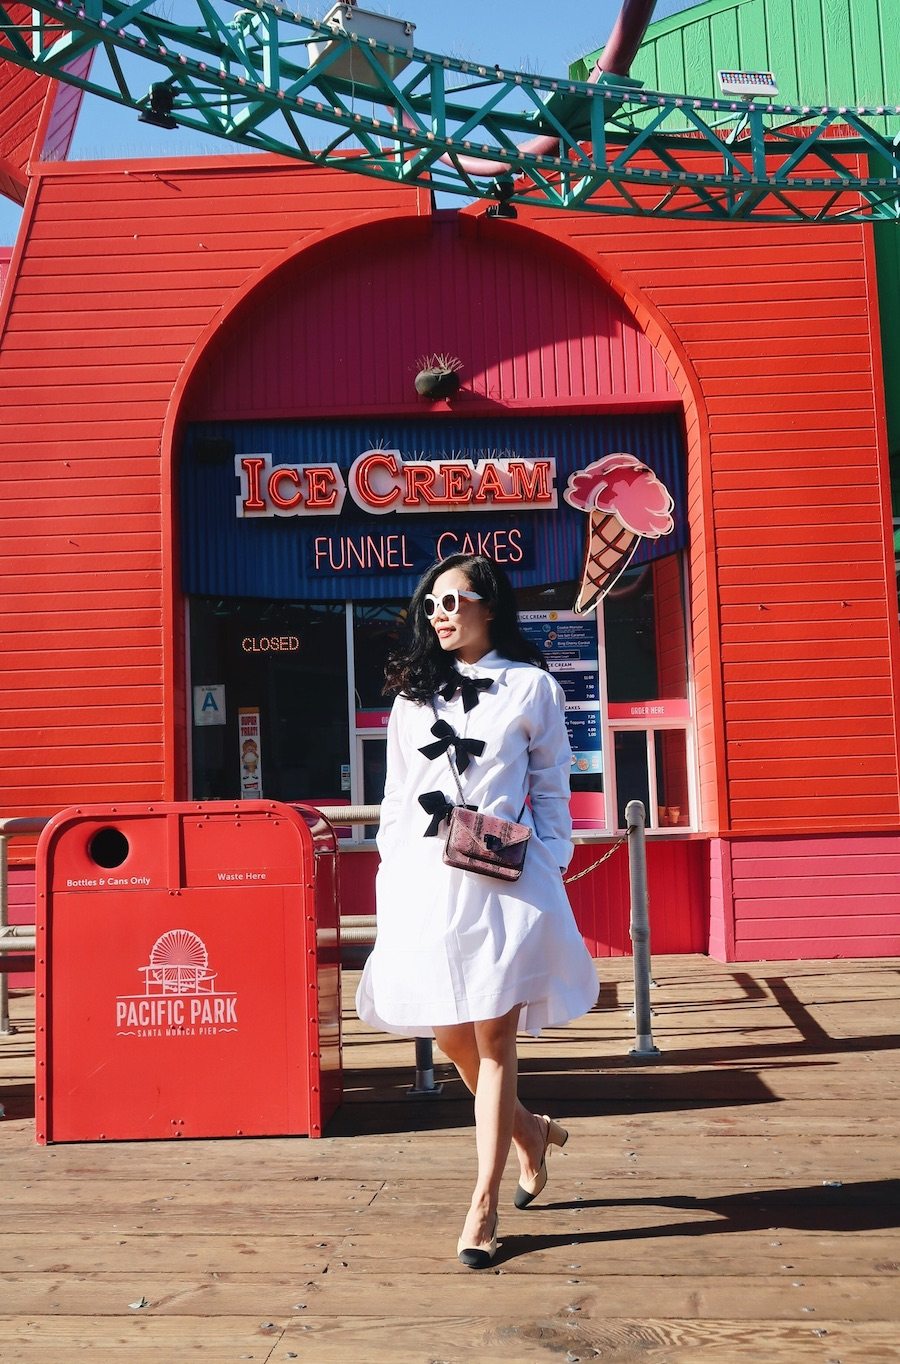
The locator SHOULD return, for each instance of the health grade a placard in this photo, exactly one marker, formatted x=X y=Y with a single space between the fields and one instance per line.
x=570 y=645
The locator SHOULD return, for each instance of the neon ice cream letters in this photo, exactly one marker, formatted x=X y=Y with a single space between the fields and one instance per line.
x=381 y=481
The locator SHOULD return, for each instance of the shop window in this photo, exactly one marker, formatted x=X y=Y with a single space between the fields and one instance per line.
x=377 y=632
x=647 y=672
x=631 y=769
x=651 y=766
x=305 y=681
x=572 y=648
x=672 y=786
x=646 y=640
x=280 y=670
x=373 y=763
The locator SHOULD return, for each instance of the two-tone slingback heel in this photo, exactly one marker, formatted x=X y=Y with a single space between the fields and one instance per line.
x=478 y=1257
x=527 y=1190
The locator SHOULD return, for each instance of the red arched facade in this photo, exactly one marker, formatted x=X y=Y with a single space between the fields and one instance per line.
x=126 y=273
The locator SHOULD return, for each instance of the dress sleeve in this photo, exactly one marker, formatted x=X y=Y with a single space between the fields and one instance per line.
x=395 y=778
x=549 y=768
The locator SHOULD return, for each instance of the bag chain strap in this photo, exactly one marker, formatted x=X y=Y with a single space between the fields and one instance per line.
x=462 y=799
x=576 y=876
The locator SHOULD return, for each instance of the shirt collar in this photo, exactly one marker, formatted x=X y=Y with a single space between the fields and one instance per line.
x=488 y=663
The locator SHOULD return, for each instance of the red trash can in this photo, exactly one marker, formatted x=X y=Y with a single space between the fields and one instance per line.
x=188 y=973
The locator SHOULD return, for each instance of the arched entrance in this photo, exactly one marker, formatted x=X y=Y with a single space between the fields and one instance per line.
x=292 y=604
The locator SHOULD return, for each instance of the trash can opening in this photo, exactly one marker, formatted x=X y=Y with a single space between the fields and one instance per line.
x=109 y=847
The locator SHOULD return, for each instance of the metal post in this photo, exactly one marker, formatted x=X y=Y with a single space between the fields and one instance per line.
x=640 y=929
x=11 y=827
x=424 y=1087
x=5 y=1025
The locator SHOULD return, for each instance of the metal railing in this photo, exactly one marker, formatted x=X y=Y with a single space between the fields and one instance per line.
x=18 y=938
x=360 y=928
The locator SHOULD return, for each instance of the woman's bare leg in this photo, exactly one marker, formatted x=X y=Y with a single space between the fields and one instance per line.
x=459 y=1044
x=487 y=1055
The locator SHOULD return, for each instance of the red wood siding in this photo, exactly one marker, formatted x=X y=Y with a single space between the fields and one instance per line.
x=794 y=614
x=123 y=268
x=816 y=897
x=127 y=270
x=676 y=883
x=676 y=880
x=36 y=115
x=721 y=916
x=21 y=101
x=530 y=331
x=61 y=114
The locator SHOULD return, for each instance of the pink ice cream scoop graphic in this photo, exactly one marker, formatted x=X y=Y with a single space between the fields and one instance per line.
x=625 y=501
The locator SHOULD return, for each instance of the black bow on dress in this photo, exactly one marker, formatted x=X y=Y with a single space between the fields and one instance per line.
x=469 y=687
x=446 y=735
x=436 y=804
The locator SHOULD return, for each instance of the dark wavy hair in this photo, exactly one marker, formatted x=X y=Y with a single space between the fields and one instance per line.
x=420 y=667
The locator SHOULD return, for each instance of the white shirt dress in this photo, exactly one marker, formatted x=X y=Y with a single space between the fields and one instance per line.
x=455 y=946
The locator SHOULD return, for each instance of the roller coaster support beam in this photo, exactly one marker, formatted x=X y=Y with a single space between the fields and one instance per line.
x=282 y=82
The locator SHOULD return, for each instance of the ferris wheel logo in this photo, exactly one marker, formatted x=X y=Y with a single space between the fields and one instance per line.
x=180 y=997
x=179 y=965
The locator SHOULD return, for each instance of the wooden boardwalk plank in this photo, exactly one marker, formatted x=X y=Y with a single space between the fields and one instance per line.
x=743 y=1188
x=704 y=1297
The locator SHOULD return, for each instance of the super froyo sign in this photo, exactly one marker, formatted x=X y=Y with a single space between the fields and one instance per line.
x=382 y=481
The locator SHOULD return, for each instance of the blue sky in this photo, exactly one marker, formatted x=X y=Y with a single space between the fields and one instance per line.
x=530 y=35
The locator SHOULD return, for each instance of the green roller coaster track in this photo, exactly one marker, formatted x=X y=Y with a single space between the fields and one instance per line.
x=282 y=82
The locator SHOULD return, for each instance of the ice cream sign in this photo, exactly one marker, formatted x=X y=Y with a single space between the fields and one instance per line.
x=382 y=481
x=386 y=512
x=625 y=501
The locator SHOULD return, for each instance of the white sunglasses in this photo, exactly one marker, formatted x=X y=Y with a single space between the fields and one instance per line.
x=448 y=602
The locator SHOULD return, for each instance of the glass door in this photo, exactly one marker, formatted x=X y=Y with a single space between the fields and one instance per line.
x=649 y=711
x=377 y=631
x=279 y=671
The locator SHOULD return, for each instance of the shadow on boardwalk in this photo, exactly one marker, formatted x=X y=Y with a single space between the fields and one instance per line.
x=733 y=1202
x=867 y=1205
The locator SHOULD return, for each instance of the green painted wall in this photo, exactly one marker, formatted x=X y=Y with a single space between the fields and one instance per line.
x=822 y=52
x=887 y=256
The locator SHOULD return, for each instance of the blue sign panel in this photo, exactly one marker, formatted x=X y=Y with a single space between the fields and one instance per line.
x=356 y=511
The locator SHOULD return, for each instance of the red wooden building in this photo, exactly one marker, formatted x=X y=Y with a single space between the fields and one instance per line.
x=166 y=325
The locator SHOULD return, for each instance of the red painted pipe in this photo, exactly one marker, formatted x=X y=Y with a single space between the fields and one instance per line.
x=626 y=37
x=618 y=55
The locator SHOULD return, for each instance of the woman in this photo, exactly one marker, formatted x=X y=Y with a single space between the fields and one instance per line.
x=459 y=956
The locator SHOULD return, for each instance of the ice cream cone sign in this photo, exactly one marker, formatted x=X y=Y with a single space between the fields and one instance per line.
x=624 y=501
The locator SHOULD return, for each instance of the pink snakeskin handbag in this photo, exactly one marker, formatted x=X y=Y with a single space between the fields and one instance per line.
x=486 y=844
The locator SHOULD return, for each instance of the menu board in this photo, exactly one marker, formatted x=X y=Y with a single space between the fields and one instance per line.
x=570 y=645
